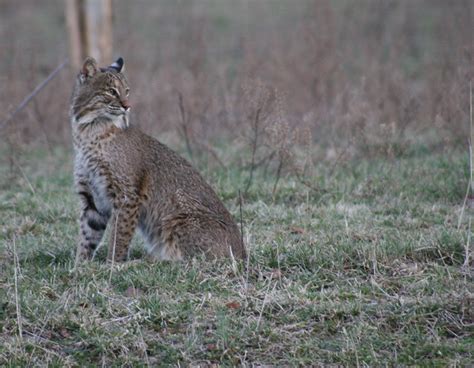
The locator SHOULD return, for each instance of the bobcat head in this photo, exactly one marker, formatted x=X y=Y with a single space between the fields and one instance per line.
x=100 y=94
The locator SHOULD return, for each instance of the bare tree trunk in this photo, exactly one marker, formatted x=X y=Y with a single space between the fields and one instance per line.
x=106 y=33
x=75 y=43
x=89 y=24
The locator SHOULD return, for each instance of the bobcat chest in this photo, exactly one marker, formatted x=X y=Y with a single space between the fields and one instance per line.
x=98 y=182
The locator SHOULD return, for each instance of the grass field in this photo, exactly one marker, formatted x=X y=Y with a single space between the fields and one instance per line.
x=367 y=269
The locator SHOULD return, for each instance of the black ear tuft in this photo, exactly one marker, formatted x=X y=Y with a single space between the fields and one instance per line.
x=117 y=65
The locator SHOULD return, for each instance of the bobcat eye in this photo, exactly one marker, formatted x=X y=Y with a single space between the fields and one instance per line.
x=127 y=92
x=113 y=92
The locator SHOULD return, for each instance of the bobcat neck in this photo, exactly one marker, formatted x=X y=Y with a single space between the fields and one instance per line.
x=97 y=131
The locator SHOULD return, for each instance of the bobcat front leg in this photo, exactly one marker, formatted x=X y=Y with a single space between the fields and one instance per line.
x=123 y=224
x=92 y=225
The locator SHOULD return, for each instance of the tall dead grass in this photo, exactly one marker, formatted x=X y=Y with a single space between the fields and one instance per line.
x=367 y=78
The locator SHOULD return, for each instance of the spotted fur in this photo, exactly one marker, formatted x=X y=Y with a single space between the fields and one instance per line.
x=126 y=179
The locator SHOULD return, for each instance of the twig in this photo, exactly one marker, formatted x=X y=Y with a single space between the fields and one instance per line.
x=261 y=162
x=247 y=271
x=17 y=301
x=468 y=244
x=242 y=232
x=472 y=137
x=264 y=303
x=113 y=247
x=470 y=184
x=213 y=153
x=307 y=184
x=467 y=247
x=25 y=177
x=278 y=174
x=241 y=218
x=184 y=125
x=254 y=148
x=233 y=261
x=28 y=98
x=466 y=196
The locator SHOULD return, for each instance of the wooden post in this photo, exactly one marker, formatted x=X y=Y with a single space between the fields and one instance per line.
x=89 y=24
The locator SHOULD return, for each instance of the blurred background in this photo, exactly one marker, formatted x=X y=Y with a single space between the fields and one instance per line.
x=366 y=78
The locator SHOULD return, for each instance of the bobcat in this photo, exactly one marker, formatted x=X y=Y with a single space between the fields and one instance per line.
x=128 y=179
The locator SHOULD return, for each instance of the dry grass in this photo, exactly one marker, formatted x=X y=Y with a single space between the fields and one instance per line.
x=368 y=271
x=364 y=79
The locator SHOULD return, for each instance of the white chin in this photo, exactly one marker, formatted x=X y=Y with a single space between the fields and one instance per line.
x=121 y=122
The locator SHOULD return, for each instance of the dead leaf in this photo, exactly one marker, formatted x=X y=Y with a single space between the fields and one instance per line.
x=64 y=333
x=211 y=347
x=51 y=295
x=297 y=230
x=233 y=305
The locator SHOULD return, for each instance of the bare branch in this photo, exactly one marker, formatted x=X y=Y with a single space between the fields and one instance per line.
x=254 y=148
x=28 y=98
x=184 y=124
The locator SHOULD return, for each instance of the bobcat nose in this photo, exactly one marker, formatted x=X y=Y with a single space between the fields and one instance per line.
x=125 y=104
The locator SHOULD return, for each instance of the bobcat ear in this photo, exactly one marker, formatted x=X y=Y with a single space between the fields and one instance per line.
x=89 y=68
x=118 y=65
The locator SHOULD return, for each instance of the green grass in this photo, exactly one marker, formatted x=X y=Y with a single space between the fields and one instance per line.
x=368 y=270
